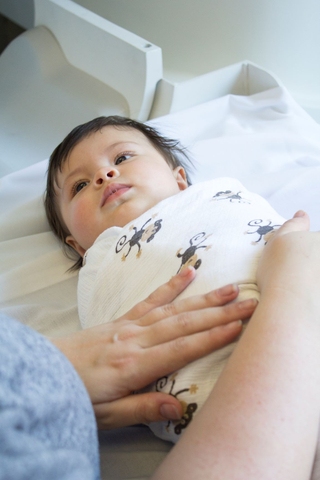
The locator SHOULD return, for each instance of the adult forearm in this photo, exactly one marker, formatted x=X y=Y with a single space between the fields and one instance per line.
x=261 y=420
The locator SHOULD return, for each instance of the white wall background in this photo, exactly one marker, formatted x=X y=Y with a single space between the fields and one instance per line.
x=19 y=11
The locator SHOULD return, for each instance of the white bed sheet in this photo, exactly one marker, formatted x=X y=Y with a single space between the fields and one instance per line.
x=266 y=141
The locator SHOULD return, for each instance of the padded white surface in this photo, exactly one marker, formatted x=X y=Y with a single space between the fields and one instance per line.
x=266 y=140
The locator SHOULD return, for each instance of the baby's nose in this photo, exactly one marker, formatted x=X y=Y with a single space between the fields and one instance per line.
x=105 y=173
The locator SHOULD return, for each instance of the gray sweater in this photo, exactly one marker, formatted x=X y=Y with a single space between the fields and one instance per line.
x=47 y=424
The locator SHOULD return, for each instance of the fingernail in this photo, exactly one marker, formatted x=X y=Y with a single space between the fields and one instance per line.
x=300 y=213
x=186 y=271
x=170 y=412
x=232 y=325
x=251 y=302
x=228 y=290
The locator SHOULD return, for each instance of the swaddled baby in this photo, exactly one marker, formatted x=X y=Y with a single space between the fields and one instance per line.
x=119 y=196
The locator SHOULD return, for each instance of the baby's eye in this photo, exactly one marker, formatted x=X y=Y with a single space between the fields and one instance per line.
x=78 y=186
x=122 y=158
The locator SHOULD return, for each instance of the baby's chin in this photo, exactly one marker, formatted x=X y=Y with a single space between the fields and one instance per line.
x=132 y=211
x=129 y=211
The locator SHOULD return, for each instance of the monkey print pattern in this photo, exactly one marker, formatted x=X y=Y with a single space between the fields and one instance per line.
x=145 y=234
x=231 y=196
x=188 y=408
x=263 y=231
x=189 y=257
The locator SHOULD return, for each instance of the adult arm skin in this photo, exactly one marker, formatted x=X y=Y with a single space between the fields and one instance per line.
x=155 y=338
x=261 y=420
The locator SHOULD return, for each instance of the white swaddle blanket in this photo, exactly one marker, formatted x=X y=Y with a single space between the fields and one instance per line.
x=218 y=227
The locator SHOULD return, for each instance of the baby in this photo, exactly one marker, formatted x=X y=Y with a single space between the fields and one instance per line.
x=118 y=195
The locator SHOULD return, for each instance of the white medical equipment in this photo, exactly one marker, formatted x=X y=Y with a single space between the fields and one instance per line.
x=249 y=127
x=74 y=65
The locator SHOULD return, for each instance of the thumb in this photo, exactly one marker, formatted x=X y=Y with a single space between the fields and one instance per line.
x=299 y=223
x=140 y=408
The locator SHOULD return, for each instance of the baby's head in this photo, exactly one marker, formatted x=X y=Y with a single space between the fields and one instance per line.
x=106 y=173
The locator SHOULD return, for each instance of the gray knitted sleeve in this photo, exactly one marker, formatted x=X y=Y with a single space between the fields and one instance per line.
x=47 y=424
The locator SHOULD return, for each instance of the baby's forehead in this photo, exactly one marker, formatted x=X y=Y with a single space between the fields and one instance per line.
x=110 y=136
x=112 y=132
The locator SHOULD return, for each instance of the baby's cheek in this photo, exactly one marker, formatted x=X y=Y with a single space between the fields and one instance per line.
x=82 y=215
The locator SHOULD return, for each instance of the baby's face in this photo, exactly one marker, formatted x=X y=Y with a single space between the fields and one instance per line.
x=110 y=178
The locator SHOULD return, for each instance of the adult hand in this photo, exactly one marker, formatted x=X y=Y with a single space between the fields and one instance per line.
x=292 y=253
x=155 y=338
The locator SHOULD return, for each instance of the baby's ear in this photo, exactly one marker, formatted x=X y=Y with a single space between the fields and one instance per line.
x=75 y=245
x=180 y=176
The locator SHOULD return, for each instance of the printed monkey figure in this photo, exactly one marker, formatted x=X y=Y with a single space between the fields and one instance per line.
x=145 y=234
x=264 y=231
x=231 y=196
x=188 y=408
x=189 y=257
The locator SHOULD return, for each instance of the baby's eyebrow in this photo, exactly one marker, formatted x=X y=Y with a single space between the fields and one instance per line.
x=74 y=172
x=123 y=142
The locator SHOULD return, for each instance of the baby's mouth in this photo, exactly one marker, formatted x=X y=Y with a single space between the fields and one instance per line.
x=113 y=191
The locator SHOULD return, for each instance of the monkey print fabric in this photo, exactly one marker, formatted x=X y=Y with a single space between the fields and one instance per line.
x=218 y=227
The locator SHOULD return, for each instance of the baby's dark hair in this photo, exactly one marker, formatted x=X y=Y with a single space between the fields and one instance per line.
x=171 y=150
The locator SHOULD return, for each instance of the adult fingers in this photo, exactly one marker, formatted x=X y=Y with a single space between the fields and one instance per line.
x=189 y=323
x=299 y=223
x=140 y=408
x=214 y=298
x=163 y=295
x=165 y=358
x=287 y=252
